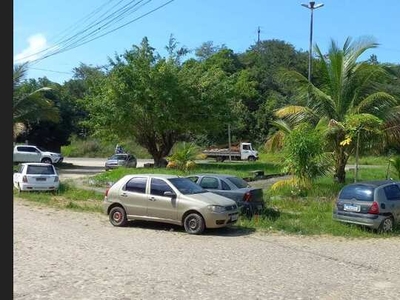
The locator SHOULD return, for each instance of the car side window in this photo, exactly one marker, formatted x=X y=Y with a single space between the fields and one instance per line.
x=136 y=185
x=193 y=178
x=21 y=168
x=158 y=187
x=209 y=183
x=26 y=149
x=392 y=192
x=225 y=186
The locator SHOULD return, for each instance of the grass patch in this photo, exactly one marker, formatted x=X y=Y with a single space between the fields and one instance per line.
x=309 y=214
x=67 y=197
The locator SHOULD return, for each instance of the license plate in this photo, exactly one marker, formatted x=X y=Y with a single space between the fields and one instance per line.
x=234 y=217
x=350 y=207
x=40 y=179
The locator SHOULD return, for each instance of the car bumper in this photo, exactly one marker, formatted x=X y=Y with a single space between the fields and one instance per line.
x=58 y=160
x=217 y=220
x=368 y=220
x=43 y=187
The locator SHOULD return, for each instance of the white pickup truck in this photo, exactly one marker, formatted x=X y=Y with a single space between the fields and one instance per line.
x=31 y=153
x=244 y=151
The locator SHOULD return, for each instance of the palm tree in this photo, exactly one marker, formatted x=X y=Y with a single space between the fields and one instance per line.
x=346 y=102
x=29 y=105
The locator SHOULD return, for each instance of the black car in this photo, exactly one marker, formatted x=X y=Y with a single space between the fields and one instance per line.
x=249 y=199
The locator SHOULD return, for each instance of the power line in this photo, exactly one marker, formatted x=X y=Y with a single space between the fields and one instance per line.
x=111 y=19
x=60 y=72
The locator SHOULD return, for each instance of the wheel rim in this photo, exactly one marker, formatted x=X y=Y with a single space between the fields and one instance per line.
x=117 y=216
x=387 y=225
x=192 y=223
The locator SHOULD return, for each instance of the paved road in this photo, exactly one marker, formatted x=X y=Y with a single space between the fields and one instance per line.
x=83 y=166
x=61 y=254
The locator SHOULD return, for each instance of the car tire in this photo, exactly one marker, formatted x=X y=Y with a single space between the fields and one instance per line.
x=46 y=160
x=251 y=158
x=386 y=225
x=117 y=216
x=194 y=223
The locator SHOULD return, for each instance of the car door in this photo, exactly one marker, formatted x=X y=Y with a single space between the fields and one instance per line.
x=392 y=193
x=134 y=197
x=24 y=154
x=32 y=154
x=17 y=176
x=160 y=206
x=220 y=187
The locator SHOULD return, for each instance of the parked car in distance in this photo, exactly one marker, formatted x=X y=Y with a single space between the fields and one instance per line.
x=120 y=160
x=30 y=153
x=374 y=204
x=167 y=199
x=36 y=177
x=249 y=199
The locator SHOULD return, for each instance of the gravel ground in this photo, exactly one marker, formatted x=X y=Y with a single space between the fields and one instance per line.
x=61 y=254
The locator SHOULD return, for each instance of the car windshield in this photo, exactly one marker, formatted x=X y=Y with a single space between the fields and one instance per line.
x=359 y=192
x=42 y=170
x=118 y=157
x=239 y=182
x=186 y=186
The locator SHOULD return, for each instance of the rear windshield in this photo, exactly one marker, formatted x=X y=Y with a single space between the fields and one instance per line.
x=359 y=192
x=42 y=170
x=239 y=182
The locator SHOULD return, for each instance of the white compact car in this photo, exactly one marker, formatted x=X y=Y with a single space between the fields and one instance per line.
x=36 y=177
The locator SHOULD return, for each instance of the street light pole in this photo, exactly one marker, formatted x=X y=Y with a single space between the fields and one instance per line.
x=311 y=6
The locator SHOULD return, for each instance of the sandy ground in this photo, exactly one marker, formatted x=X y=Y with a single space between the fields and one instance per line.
x=61 y=254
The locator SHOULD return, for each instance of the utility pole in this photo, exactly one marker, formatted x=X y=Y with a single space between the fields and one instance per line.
x=258 y=35
x=311 y=6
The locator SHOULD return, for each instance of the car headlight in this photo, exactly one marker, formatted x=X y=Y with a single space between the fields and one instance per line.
x=216 y=208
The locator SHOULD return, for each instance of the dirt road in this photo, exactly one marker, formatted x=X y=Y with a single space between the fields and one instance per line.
x=62 y=254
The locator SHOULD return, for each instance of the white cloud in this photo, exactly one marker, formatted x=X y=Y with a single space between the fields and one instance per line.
x=36 y=43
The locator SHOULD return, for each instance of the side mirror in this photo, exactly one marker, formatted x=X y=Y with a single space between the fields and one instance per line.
x=169 y=194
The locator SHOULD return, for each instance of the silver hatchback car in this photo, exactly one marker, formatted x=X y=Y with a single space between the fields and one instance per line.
x=167 y=199
x=374 y=204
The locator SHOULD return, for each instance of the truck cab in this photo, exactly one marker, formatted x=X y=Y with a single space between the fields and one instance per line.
x=247 y=152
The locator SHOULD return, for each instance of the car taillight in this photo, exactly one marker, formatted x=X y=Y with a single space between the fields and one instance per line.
x=247 y=197
x=106 y=193
x=24 y=179
x=374 y=209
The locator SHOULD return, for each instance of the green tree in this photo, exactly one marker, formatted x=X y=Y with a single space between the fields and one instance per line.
x=304 y=155
x=347 y=87
x=29 y=101
x=150 y=99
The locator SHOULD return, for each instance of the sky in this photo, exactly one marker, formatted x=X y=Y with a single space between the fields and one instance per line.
x=58 y=36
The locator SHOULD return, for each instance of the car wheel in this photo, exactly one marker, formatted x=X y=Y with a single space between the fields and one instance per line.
x=386 y=225
x=251 y=158
x=46 y=160
x=117 y=216
x=194 y=223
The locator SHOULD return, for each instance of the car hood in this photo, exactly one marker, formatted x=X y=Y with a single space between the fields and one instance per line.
x=51 y=153
x=210 y=198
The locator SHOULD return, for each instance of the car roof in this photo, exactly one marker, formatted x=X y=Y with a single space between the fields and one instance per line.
x=165 y=176
x=213 y=174
x=373 y=183
x=36 y=164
